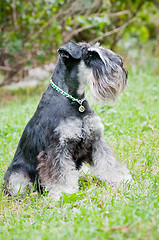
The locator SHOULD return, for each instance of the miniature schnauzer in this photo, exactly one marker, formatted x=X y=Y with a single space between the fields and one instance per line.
x=65 y=132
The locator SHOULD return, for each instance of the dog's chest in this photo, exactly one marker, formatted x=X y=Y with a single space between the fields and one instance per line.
x=76 y=130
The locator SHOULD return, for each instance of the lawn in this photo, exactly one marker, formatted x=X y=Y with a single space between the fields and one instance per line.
x=97 y=211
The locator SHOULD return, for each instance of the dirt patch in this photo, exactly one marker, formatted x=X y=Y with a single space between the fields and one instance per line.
x=6 y=97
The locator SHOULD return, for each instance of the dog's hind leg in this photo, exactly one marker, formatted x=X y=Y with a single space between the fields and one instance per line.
x=105 y=166
x=16 y=182
x=57 y=173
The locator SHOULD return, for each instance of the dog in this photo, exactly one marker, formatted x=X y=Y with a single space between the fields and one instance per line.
x=64 y=131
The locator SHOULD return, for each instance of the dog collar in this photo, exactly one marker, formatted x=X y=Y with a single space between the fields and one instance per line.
x=79 y=101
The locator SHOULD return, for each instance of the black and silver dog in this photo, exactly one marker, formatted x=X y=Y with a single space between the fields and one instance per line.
x=64 y=132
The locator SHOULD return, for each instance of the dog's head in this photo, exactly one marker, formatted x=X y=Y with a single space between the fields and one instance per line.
x=97 y=67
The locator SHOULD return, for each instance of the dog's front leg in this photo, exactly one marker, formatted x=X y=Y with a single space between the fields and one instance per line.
x=57 y=173
x=105 y=166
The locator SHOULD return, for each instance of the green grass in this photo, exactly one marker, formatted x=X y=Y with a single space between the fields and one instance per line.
x=97 y=211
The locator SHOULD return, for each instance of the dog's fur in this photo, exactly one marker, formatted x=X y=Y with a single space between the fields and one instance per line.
x=59 y=138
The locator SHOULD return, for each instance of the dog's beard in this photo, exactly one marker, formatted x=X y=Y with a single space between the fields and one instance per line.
x=108 y=78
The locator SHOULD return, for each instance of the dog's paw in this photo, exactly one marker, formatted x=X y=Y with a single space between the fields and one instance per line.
x=56 y=192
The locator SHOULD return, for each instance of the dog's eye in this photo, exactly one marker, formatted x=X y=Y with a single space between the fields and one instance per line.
x=92 y=55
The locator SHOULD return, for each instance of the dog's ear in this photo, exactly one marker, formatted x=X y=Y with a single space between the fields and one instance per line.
x=70 y=49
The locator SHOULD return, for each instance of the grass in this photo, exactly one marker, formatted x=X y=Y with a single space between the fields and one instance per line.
x=97 y=211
